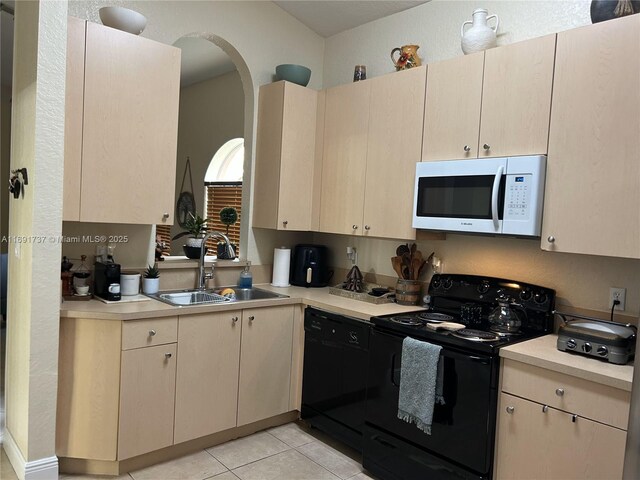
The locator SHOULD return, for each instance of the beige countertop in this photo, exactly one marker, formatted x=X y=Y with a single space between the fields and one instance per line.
x=315 y=297
x=542 y=352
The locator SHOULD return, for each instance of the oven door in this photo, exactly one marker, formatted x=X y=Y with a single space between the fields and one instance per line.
x=463 y=428
x=460 y=195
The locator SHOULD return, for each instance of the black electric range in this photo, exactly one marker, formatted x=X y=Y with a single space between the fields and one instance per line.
x=463 y=431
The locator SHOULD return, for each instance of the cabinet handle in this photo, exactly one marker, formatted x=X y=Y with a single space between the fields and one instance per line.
x=367 y=227
x=486 y=146
x=355 y=227
x=545 y=408
x=551 y=239
x=574 y=418
x=152 y=333
x=467 y=148
x=234 y=319
x=165 y=216
x=251 y=318
x=560 y=391
x=510 y=410
x=285 y=223
x=168 y=355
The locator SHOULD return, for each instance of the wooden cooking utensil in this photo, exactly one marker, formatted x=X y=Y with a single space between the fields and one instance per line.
x=396 y=263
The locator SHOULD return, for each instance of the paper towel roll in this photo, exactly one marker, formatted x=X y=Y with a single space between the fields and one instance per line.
x=281 y=261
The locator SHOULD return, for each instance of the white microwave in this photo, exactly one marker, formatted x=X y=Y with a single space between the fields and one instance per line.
x=488 y=195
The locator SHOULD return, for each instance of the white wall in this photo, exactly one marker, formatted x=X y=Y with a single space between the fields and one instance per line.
x=435 y=26
x=211 y=113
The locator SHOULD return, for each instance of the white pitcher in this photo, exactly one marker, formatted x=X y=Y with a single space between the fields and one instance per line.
x=480 y=36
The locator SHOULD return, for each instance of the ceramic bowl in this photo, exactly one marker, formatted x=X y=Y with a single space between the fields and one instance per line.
x=123 y=19
x=294 y=74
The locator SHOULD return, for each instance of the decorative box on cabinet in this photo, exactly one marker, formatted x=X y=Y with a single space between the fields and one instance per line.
x=287 y=170
x=372 y=141
x=593 y=173
x=121 y=126
x=490 y=104
x=558 y=427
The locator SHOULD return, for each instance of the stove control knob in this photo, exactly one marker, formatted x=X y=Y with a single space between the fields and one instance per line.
x=571 y=343
x=586 y=347
x=447 y=284
x=484 y=287
x=526 y=294
x=602 y=351
x=540 y=297
x=435 y=282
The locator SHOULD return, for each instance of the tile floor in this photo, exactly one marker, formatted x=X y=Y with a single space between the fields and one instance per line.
x=288 y=452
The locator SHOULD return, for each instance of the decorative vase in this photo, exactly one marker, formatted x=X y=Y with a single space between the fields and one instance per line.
x=602 y=10
x=191 y=252
x=194 y=242
x=408 y=57
x=150 y=285
x=222 y=251
x=480 y=36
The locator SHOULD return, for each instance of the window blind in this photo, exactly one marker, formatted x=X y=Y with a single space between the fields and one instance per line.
x=163 y=233
x=220 y=195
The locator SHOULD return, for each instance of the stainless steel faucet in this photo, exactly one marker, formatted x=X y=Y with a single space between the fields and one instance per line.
x=202 y=276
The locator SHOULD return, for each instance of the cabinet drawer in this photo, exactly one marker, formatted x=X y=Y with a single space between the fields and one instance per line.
x=146 y=333
x=575 y=395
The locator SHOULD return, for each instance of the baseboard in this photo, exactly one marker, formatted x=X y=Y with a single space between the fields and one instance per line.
x=42 y=469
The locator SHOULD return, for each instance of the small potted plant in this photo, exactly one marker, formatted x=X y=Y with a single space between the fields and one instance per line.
x=151 y=280
x=228 y=217
x=196 y=227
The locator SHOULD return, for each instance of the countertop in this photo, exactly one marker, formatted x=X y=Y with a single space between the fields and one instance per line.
x=315 y=297
x=542 y=352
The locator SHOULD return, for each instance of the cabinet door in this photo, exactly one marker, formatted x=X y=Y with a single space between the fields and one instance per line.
x=344 y=158
x=74 y=96
x=130 y=128
x=516 y=98
x=393 y=149
x=207 y=378
x=147 y=399
x=452 y=113
x=265 y=363
x=534 y=444
x=593 y=174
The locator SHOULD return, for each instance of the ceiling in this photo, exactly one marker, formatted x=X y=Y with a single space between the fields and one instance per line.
x=201 y=60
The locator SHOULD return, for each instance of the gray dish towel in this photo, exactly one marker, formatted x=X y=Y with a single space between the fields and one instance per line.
x=421 y=379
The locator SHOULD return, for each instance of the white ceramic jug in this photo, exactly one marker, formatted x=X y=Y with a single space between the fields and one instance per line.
x=480 y=36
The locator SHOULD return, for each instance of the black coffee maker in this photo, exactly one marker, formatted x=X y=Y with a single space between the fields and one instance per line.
x=107 y=281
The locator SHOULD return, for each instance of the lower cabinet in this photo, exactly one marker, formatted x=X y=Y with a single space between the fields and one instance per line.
x=544 y=432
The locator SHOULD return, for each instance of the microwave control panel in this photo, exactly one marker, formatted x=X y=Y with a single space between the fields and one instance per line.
x=517 y=202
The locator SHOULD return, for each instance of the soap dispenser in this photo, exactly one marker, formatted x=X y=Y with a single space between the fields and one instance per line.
x=246 y=278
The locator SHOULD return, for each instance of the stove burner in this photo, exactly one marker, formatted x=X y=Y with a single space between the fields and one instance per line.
x=435 y=317
x=407 y=320
x=475 y=335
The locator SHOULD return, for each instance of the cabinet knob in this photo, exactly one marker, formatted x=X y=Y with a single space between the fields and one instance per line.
x=367 y=227
x=551 y=239
x=285 y=223
x=545 y=408
x=467 y=148
x=510 y=410
x=168 y=355
x=152 y=333
x=165 y=216
x=560 y=391
x=251 y=318
x=234 y=319
x=574 y=418
x=486 y=146
x=354 y=226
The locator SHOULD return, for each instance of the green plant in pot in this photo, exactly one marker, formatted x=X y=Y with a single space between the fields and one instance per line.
x=196 y=228
x=151 y=280
x=228 y=217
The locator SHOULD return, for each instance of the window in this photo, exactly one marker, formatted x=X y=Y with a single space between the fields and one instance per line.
x=223 y=188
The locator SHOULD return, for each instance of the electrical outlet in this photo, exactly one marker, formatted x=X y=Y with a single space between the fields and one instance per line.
x=619 y=294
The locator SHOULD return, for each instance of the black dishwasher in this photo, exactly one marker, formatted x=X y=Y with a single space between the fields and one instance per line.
x=336 y=353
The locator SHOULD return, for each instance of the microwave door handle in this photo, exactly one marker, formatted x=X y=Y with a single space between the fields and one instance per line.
x=494 y=197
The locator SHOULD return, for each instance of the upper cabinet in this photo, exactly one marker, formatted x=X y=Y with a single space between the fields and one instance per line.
x=372 y=141
x=287 y=174
x=490 y=104
x=593 y=173
x=121 y=133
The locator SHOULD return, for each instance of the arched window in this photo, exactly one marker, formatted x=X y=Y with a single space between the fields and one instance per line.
x=223 y=188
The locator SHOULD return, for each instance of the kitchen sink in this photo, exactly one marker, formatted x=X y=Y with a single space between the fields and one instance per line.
x=181 y=298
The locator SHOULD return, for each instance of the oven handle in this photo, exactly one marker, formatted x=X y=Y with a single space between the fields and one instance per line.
x=482 y=360
x=494 y=197
x=393 y=370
